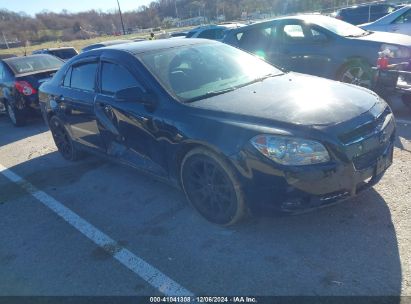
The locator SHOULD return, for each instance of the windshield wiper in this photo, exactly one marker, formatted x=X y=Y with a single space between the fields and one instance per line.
x=220 y=92
x=211 y=94
x=262 y=78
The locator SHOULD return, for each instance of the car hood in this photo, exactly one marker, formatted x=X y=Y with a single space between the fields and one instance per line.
x=295 y=98
x=385 y=37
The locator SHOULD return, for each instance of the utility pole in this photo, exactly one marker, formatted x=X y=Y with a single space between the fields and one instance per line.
x=121 y=18
x=5 y=40
x=175 y=6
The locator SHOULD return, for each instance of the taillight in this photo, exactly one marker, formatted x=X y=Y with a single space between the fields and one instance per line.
x=24 y=88
x=339 y=17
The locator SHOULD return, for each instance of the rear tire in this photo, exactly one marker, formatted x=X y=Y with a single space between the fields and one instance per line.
x=17 y=117
x=212 y=188
x=63 y=140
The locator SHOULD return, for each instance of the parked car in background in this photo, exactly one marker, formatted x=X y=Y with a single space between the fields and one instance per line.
x=321 y=46
x=64 y=53
x=365 y=13
x=4 y=56
x=396 y=22
x=178 y=34
x=104 y=44
x=213 y=32
x=203 y=115
x=20 y=78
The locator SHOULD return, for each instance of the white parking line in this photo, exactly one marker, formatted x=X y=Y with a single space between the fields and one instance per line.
x=144 y=270
x=403 y=121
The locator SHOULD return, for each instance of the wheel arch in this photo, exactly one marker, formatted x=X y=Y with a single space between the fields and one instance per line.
x=186 y=148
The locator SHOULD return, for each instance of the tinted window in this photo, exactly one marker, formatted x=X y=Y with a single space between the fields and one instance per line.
x=404 y=18
x=83 y=76
x=64 y=53
x=294 y=31
x=115 y=77
x=1 y=72
x=212 y=34
x=190 y=34
x=257 y=39
x=382 y=9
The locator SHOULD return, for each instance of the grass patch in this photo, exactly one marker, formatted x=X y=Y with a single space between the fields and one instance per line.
x=77 y=44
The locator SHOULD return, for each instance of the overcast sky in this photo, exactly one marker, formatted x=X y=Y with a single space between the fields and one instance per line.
x=34 y=6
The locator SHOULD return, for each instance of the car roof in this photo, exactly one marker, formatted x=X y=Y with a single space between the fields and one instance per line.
x=303 y=17
x=157 y=45
x=55 y=49
x=366 y=4
x=216 y=26
x=111 y=42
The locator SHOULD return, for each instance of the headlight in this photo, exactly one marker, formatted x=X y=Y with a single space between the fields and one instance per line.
x=395 y=51
x=291 y=151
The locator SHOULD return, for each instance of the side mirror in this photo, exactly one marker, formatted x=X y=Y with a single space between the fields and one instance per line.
x=135 y=94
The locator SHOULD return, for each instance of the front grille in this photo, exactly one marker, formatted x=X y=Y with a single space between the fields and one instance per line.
x=369 y=159
x=365 y=130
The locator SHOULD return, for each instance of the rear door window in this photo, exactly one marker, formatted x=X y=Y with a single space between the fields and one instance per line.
x=256 y=39
x=83 y=76
x=211 y=34
x=295 y=33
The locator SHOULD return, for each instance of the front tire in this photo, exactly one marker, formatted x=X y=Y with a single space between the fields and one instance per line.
x=357 y=73
x=17 y=117
x=211 y=186
x=63 y=140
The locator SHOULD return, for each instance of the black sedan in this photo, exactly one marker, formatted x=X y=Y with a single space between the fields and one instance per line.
x=20 y=78
x=64 y=53
x=234 y=132
x=321 y=46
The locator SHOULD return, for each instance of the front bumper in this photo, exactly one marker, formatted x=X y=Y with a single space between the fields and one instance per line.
x=297 y=189
x=346 y=182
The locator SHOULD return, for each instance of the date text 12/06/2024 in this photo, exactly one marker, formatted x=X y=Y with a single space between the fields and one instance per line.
x=189 y=299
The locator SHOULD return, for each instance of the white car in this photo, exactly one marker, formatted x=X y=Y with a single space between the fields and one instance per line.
x=397 y=22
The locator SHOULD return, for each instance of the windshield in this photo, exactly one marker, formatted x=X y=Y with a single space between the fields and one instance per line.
x=195 y=72
x=36 y=63
x=337 y=26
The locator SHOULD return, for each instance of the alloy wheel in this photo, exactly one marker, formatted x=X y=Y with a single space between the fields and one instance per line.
x=62 y=139
x=357 y=75
x=210 y=189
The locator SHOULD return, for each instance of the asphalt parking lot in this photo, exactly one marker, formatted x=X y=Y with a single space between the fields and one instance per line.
x=98 y=228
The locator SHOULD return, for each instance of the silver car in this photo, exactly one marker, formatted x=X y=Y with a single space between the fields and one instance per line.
x=396 y=22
